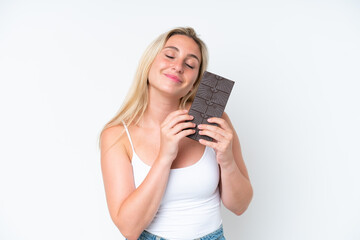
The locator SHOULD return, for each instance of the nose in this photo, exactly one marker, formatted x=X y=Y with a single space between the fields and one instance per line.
x=178 y=66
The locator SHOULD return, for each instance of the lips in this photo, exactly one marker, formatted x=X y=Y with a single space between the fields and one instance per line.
x=174 y=78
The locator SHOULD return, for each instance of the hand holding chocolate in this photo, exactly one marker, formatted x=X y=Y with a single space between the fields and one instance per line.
x=210 y=101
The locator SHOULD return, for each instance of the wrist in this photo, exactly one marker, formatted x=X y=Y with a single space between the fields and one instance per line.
x=228 y=166
x=163 y=162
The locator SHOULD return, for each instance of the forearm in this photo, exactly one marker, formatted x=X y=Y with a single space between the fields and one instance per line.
x=138 y=210
x=236 y=190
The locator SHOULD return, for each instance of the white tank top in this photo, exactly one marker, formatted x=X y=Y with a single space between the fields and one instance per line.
x=190 y=207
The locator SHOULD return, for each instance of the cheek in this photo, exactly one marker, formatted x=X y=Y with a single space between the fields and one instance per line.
x=160 y=62
x=192 y=83
x=193 y=78
x=154 y=67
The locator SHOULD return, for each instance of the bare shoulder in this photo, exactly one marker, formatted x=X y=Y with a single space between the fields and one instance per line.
x=226 y=117
x=113 y=141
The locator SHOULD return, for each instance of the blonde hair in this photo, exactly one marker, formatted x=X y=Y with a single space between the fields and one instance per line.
x=136 y=100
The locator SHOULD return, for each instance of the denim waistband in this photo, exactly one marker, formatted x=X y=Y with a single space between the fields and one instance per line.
x=216 y=235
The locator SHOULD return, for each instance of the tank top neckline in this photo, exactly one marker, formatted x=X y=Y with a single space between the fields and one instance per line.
x=135 y=156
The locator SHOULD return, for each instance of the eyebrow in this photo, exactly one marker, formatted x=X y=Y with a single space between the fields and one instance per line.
x=176 y=49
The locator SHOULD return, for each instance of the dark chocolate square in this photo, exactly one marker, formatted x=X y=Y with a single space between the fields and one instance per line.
x=210 y=101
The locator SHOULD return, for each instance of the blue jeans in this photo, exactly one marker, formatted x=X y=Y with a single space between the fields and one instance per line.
x=216 y=235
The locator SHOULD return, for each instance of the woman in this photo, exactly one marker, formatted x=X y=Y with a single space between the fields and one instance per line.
x=160 y=184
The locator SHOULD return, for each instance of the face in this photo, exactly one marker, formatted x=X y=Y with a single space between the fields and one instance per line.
x=176 y=67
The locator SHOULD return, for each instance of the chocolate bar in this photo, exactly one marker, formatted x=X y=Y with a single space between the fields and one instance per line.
x=210 y=101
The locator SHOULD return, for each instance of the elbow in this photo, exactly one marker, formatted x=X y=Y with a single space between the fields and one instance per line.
x=129 y=225
x=245 y=203
x=131 y=236
x=129 y=231
x=239 y=212
x=248 y=201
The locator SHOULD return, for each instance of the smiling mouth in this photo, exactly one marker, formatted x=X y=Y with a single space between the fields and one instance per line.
x=174 y=78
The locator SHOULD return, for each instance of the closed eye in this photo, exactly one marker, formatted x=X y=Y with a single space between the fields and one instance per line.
x=168 y=56
x=189 y=66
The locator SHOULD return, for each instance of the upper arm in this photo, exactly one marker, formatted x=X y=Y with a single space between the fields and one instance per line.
x=236 y=148
x=116 y=169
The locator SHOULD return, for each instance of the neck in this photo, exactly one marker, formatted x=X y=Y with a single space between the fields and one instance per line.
x=158 y=108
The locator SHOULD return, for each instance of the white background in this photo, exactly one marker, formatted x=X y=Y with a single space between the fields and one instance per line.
x=65 y=67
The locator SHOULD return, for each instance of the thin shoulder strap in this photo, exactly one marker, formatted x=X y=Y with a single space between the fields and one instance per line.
x=128 y=134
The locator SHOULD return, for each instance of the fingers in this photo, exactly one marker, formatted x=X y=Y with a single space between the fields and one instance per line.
x=185 y=133
x=173 y=115
x=220 y=133
x=221 y=122
x=208 y=143
x=177 y=124
x=222 y=140
x=181 y=126
x=179 y=120
x=214 y=132
x=217 y=136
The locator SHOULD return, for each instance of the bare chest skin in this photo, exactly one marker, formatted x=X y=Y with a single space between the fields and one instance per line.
x=147 y=144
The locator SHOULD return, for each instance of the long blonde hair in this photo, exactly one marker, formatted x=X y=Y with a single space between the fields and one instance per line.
x=136 y=100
